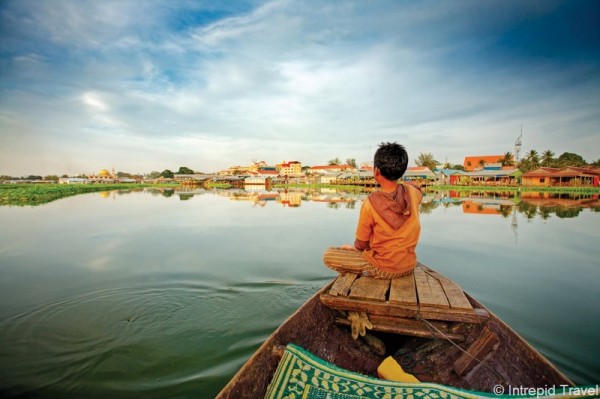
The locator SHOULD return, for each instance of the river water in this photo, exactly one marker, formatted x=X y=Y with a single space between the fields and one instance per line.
x=160 y=293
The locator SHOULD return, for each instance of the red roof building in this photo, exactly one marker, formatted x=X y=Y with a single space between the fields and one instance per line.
x=472 y=163
x=267 y=173
x=569 y=176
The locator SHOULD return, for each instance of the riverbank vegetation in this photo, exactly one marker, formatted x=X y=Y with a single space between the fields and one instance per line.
x=38 y=194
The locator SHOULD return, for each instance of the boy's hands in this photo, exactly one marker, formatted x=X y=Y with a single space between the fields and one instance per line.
x=348 y=247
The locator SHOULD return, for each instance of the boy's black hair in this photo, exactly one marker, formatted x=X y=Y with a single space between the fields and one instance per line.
x=391 y=159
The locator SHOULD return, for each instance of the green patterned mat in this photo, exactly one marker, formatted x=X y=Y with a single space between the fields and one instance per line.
x=301 y=375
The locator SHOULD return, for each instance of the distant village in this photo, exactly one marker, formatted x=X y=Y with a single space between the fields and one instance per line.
x=487 y=170
x=478 y=170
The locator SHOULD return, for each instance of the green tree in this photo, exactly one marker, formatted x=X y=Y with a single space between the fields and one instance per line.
x=547 y=158
x=167 y=174
x=507 y=159
x=185 y=171
x=570 y=159
x=426 y=159
x=596 y=163
x=51 y=177
x=334 y=161
x=533 y=158
x=351 y=162
x=524 y=165
x=123 y=175
x=154 y=174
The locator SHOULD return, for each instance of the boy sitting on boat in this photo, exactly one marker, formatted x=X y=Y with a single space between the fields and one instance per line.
x=388 y=227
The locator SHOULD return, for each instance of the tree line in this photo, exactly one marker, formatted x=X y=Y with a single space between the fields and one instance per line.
x=532 y=160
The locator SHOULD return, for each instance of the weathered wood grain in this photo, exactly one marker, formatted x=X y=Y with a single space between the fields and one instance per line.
x=429 y=290
x=403 y=290
x=342 y=285
x=385 y=308
x=455 y=295
x=477 y=352
x=370 y=289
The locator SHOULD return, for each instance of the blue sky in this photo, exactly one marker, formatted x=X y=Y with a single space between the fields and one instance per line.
x=151 y=85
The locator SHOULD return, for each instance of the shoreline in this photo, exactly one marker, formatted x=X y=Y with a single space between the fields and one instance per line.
x=36 y=194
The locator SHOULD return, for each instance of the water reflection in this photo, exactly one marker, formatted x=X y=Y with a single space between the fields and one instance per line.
x=287 y=198
x=505 y=204
x=529 y=204
x=511 y=205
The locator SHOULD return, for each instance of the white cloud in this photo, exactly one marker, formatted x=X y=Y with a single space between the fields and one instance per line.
x=93 y=101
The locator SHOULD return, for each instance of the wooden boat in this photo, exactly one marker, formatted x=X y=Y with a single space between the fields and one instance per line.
x=474 y=350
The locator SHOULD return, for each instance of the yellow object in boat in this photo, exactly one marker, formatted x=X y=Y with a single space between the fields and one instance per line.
x=389 y=369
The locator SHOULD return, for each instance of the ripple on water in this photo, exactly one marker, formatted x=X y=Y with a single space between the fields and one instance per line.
x=146 y=338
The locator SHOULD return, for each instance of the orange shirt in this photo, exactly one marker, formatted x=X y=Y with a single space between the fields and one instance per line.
x=391 y=250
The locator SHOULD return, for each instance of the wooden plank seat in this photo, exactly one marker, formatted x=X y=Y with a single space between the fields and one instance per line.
x=399 y=305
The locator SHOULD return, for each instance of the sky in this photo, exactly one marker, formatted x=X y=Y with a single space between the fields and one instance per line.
x=148 y=85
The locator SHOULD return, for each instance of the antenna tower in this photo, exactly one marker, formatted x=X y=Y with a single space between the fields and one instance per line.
x=518 y=145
